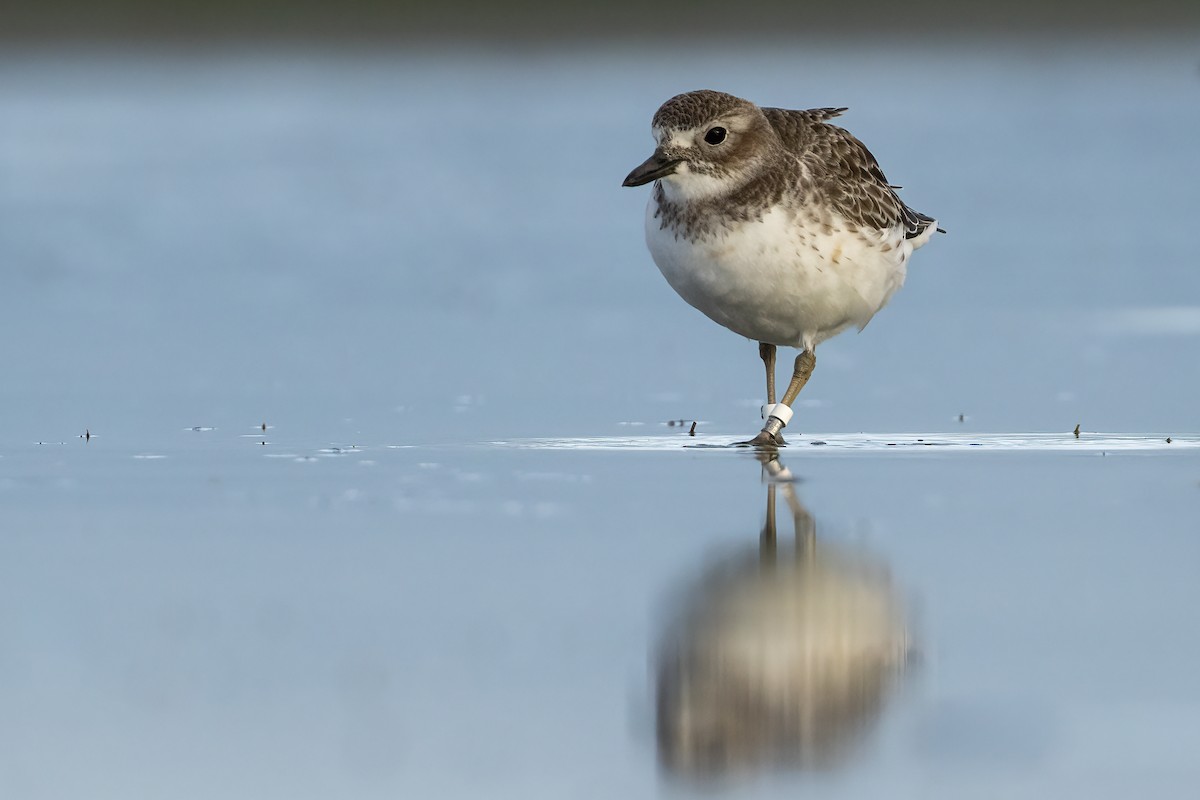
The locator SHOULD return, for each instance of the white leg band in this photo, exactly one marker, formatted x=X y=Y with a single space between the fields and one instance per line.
x=780 y=412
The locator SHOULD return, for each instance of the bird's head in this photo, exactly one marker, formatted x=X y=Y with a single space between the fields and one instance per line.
x=709 y=144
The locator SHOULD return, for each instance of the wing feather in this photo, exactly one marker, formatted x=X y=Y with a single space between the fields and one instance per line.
x=843 y=171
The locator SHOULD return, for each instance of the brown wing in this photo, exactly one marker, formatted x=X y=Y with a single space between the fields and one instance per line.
x=821 y=114
x=843 y=171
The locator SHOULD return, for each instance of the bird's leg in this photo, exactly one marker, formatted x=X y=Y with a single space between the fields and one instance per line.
x=806 y=362
x=767 y=353
x=768 y=436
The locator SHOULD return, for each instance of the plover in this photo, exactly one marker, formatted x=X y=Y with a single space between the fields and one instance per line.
x=776 y=224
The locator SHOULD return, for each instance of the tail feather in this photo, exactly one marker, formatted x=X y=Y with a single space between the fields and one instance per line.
x=916 y=223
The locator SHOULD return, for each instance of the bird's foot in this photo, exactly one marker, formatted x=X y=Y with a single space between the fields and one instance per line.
x=765 y=441
x=771 y=435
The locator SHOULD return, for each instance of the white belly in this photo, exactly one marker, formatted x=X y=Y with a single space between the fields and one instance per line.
x=781 y=281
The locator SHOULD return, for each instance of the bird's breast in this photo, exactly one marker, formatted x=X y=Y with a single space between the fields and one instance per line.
x=788 y=276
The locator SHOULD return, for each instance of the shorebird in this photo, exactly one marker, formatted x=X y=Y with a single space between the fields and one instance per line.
x=776 y=224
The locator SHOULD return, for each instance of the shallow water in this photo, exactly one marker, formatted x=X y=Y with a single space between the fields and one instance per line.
x=449 y=564
x=239 y=619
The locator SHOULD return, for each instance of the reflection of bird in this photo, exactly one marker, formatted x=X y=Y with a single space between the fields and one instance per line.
x=776 y=224
x=777 y=660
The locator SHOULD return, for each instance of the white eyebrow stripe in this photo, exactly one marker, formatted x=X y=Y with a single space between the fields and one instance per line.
x=682 y=139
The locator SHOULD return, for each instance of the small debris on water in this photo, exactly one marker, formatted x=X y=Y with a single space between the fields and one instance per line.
x=1168 y=440
x=1077 y=431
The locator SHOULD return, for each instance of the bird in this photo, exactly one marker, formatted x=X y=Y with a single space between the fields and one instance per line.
x=776 y=224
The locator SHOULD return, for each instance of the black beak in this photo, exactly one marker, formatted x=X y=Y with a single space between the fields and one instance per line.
x=653 y=168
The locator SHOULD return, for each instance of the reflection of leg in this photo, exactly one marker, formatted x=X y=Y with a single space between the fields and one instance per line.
x=805 y=525
x=806 y=362
x=766 y=545
x=770 y=469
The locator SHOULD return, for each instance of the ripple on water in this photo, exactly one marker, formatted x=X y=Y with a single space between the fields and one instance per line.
x=860 y=442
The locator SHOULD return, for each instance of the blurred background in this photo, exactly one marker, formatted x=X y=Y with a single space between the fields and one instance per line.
x=275 y=278
x=538 y=21
x=403 y=213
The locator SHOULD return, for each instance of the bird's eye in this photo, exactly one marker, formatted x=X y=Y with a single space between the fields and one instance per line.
x=715 y=135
